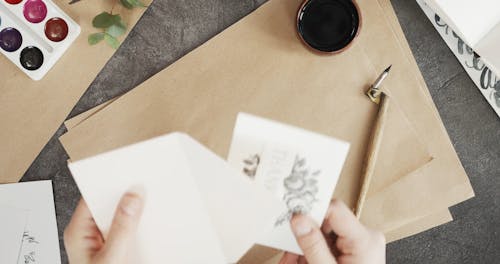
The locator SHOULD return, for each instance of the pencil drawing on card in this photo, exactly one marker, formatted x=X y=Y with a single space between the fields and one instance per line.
x=29 y=247
x=250 y=165
x=301 y=189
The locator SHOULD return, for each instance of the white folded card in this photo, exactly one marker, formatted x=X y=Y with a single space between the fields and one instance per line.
x=298 y=166
x=11 y=232
x=197 y=210
x=39 y=241
x=476 y=22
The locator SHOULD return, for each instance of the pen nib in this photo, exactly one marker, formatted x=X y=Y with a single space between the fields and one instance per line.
x=388 y=68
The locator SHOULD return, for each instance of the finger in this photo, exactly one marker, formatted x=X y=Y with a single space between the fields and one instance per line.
x=311 y=240
x=302 y=260
x=82 y=210
x=124 y=225
x=81 y=217
x=343 y=222
x=82 y=225
x=331 y=240
x=372 y=250
x=81 y=236
x=289 y=258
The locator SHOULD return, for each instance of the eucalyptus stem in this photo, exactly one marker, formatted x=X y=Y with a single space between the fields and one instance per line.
x=111 y=25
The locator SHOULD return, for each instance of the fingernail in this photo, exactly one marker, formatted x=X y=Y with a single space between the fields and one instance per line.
x=131 y=204
x=301 y=227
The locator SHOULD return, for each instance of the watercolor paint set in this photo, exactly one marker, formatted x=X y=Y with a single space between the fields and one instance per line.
x=34 y=34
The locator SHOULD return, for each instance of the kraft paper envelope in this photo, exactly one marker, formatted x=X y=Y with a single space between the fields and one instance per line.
x=436 y=114
x=378 y=182
x=439 y=217
x=420 y=225
x=31 y=111
x=194 y=200
x=443 y=182
x=429 y=123
x=444 y=216
x=381 y=181
x=392 y=20
x=399 y=134
x=284 y=81
x=401 y=151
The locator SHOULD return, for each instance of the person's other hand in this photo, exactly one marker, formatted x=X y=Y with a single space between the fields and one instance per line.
x=354 y=243
x=85 y=244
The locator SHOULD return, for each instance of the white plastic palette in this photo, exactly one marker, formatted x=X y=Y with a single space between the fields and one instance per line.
x=34 y=34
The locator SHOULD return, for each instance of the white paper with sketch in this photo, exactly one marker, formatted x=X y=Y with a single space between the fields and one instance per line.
x=12 y=228
x=477 y=23
x=198 y=209
x=298 y=166
x=40 y=241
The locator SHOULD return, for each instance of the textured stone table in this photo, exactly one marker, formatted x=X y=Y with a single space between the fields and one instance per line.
x=171 y=28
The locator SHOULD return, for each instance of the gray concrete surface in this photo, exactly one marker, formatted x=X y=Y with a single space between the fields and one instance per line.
x=171 y=28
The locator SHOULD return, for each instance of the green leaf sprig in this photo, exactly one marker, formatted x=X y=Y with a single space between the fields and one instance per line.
x=112 y=25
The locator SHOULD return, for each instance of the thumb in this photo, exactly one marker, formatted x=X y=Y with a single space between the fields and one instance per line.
x=311 y=240
x=124 y=226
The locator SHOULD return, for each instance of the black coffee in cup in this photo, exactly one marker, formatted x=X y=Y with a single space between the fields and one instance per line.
x=328 y=25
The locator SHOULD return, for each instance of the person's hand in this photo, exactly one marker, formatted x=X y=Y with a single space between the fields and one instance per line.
x=353 y=242
x=85 y=244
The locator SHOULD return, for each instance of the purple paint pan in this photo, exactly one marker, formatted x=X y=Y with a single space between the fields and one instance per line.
x=10 y=39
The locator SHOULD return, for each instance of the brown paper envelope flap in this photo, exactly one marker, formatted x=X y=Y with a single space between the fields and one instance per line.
x=401 y=150
x=31 y=111
x=383 y=210
x=419 y=225
x=78 y=119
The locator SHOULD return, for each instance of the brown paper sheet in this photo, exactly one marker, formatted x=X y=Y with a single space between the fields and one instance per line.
x=126 y=121
x=380 y=182
x=443 y=181
x=78 y=119
x=444 y=216
x=410 y=142
x=411 y=152
x=31 y=111
x=273 y=44
x=420 y=225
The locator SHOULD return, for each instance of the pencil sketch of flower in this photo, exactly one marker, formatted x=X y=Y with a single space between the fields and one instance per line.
x=250 y=165
x=301 y=188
